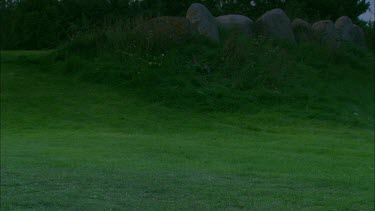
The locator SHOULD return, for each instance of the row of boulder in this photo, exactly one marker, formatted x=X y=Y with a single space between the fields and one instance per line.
x=274 y=24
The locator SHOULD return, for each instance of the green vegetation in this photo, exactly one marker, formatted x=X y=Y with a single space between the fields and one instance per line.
x=46 y=24
x=238 y=75
x=111 y=122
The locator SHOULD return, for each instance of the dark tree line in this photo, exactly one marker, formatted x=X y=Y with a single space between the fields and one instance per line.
x=37 y=24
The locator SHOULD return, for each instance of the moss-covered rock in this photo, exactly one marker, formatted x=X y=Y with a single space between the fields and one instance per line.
x=349 y=32
x=203 y=22
x=275 y=24
x=324 y=32
x=237 y=23
x=302 y=30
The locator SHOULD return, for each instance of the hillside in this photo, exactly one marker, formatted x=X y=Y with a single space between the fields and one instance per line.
x=237 y=125
x=239 y=75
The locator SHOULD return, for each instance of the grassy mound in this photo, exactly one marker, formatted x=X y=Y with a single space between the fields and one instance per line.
x=238 y=75
x=111 y=121
x=68 y=144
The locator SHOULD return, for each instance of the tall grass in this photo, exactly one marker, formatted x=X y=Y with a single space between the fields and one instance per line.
x=240 y=74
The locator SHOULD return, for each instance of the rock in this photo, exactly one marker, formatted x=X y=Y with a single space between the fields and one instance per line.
x=238 y=23
x=343 y=22
x=275 y=24
x=203 y=22
x=302 y=30
x=167 y=28
x=344 y=27
x=349 y=32
x=359 y=36
x=324 y=32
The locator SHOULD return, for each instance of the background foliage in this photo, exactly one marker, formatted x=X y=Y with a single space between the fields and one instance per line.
x=39 y=24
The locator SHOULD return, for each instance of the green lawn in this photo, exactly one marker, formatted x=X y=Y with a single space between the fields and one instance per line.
x=72 y=145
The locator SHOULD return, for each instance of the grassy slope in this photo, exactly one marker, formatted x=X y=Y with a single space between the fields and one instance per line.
x=71 y=144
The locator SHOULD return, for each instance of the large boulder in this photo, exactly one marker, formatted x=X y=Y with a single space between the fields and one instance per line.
x=349 y=32
x=238 y=23
x=275 y=24
x=343 y=23
x=302 y=30
x=324 y=32
x=167 y=28
x=358 y=36
x=203 y=22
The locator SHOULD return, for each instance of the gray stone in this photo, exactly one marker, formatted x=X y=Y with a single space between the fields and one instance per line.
x=359 y=36
x=275 y=24
x=349 y=32
x=324 y=32
x=302 y=30
x=238 y=23
x=203 y=21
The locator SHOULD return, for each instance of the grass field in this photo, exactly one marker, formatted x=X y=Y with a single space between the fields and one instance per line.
x=67 y=144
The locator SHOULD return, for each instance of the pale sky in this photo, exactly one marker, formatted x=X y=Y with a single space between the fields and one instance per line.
x=369 y=15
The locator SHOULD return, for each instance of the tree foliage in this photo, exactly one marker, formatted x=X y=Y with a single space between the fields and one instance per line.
x=36 y=24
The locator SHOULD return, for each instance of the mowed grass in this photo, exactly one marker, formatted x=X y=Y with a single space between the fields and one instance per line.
x=71 y=145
